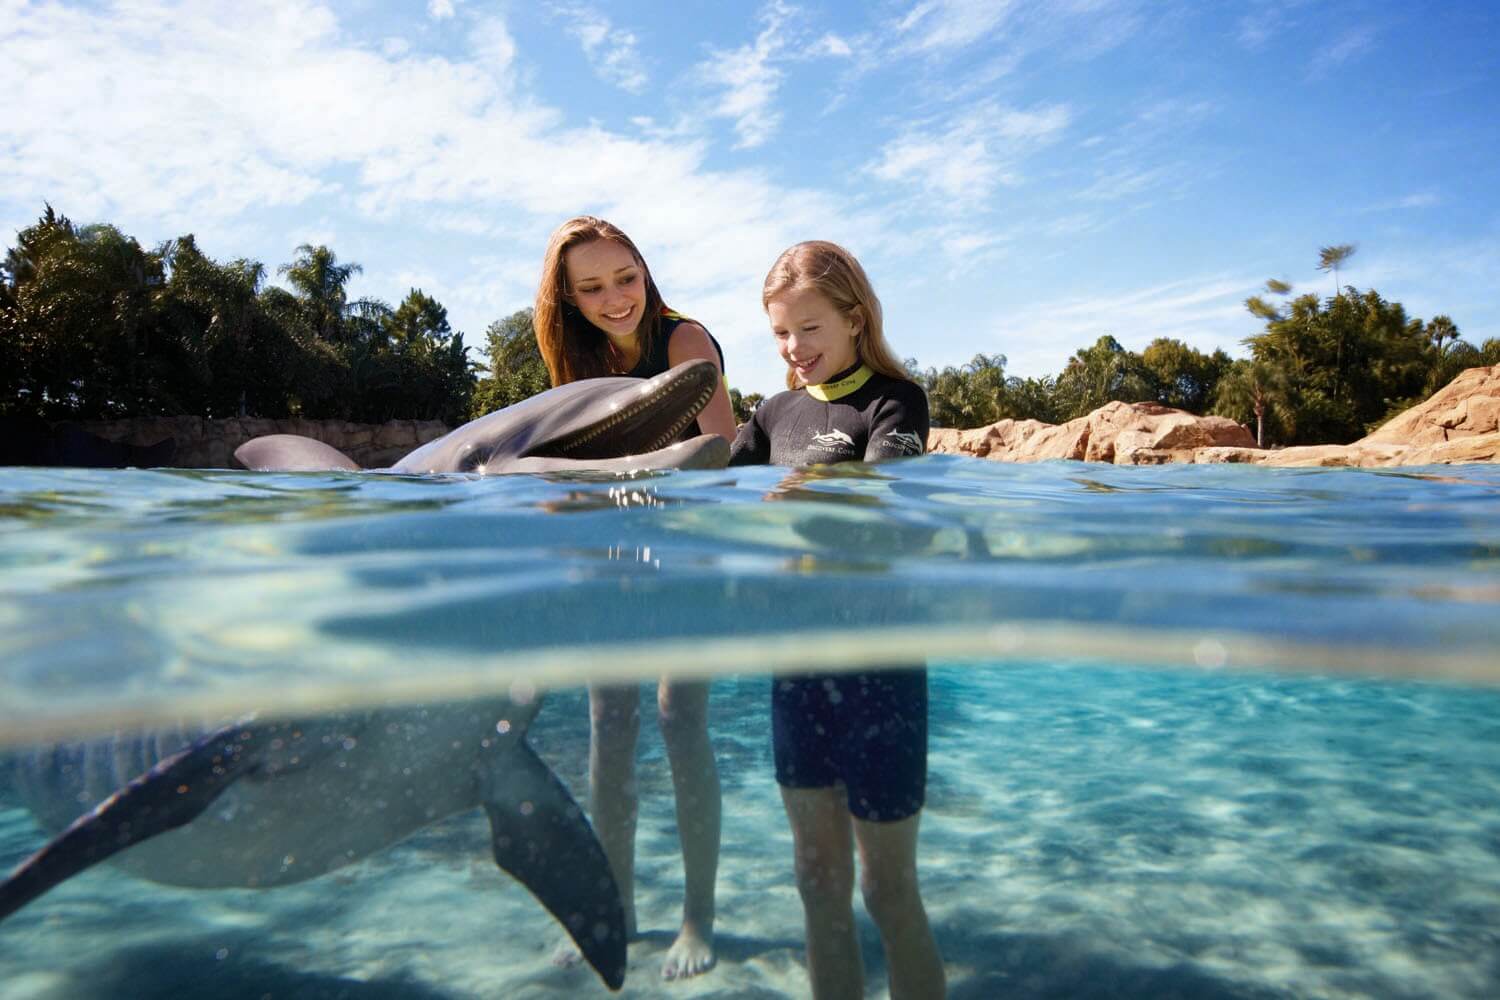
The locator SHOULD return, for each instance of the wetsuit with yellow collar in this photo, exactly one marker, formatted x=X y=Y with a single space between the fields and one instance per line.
x=858 y=415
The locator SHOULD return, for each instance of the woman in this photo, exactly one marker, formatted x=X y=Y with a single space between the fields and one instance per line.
x=598 y=313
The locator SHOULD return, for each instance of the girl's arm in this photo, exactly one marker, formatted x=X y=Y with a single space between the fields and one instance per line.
x=900 y=425
x=690 y=341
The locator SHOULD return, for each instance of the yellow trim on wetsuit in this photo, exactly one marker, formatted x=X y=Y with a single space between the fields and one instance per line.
x=829 y=391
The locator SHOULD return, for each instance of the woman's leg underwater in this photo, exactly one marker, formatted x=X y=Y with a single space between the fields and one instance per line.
x=614 y=728
x=682 y=708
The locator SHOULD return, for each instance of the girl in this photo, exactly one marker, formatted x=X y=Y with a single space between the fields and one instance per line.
x=850 y=749
x=599 y=313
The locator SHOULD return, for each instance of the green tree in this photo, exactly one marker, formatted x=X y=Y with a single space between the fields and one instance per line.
x=1348 y=361
x=1100 y=374
x=1182 y=376
x=321 y=284
x=967 y=396
x=1332 y=258
x=516 y=369
x=1255 y=389
x=744 y=404
x=80 y=315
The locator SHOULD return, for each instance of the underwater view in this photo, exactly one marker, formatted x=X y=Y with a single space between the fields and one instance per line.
x=1219 y=732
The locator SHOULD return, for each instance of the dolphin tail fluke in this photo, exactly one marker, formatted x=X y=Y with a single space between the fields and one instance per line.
x=292 y=453
x=542 y=838
x=167 y=796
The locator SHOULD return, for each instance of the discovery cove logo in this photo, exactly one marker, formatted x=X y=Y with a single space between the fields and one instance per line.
x=907 y=442
x=832 y=441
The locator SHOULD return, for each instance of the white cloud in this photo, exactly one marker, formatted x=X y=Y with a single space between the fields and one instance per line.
x=215 y=137
x=832 y=45
x=944 y=24
x=964 y=158
x=440 y=9
x=748 y=80
x=612 y=51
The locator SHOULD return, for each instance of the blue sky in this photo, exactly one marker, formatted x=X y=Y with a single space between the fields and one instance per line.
x=1018 y=177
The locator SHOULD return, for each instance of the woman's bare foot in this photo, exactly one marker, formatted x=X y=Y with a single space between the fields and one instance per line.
x=690 y=955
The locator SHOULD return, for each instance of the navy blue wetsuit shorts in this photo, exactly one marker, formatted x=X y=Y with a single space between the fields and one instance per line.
x=866 y=730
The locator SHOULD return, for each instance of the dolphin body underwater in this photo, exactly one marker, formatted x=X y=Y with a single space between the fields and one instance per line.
x=265 y=803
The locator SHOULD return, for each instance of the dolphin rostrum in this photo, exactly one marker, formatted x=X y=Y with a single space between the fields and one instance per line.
x=266 y=803
x=607 y=424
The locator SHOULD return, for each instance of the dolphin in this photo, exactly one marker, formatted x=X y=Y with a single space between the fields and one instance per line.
x=605 y=424
x=259 y=804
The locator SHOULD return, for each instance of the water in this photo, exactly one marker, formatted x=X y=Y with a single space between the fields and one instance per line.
x=1197 y=732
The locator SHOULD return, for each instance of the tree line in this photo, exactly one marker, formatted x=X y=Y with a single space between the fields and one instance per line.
x=1322 y=371
x=93 y=325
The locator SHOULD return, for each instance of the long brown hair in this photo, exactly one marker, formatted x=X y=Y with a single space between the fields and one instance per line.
x=572 y=347
x=834 y=273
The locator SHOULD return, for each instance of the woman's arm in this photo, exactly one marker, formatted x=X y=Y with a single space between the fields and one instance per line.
x=690 y=341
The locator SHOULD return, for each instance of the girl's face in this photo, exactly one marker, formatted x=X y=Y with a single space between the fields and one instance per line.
x=608 y=285
x=814 y=338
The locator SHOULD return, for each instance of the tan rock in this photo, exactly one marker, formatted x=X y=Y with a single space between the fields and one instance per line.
x=1468 y=406
x=1460 y=423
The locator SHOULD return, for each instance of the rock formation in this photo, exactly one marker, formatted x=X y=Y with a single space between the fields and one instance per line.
x=1459 y=423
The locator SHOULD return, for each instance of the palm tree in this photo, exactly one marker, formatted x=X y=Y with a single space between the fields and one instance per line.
x=1329 y=259
x=1255 y=387
x=1441 y=328
x=320 y=279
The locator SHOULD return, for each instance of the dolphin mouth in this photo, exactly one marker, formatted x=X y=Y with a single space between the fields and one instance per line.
x=663 y=408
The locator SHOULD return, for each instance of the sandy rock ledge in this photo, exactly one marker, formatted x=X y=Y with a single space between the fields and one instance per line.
x=1460 y=423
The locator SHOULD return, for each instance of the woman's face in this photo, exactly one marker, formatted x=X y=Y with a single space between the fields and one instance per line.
x=608 y=285
x=814 y=338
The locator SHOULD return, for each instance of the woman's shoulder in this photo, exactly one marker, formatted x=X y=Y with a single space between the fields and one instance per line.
x=688 y=339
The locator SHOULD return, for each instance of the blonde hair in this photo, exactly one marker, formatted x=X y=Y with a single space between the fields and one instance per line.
x=572 y=347
x=833 y=273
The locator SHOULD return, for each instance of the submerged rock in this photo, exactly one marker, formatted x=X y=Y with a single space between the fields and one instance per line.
x=1459 y=423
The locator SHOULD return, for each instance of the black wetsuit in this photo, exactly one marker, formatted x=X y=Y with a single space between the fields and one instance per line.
x=657 y=361
x=858 y=415
x=866 y=730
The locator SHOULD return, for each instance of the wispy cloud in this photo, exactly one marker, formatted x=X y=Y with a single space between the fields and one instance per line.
x=749 y=81
x=1128 y=183
x=440 y=9
x=1269 y=21
x=611 y=51
x=962 y=159
x=1350 y=45
x=935 y=25
x=1194 y=310
x=1422 y=199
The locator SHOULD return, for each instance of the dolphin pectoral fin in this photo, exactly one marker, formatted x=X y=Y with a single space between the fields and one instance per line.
x=542 y=838
x=169 y=795
x=292 y=453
